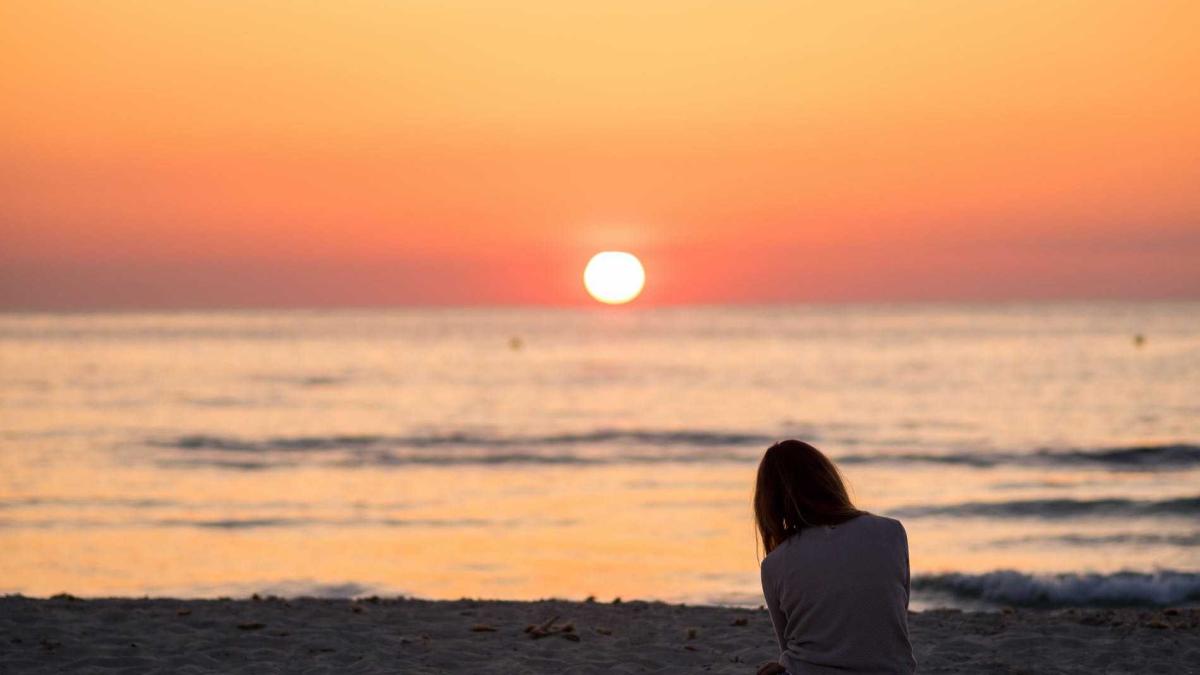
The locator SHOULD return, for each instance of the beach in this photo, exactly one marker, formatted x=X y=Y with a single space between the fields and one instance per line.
x=360 y=454
x=374 y=635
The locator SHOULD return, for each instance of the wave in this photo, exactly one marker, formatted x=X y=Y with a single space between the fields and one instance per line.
x=95 y=502
x=1138 y=538
x=384 y=458
x=599 y=436
x=303 y=588
x=974 y=460
x=608 y=446
x=604 y=446
x=281 y=523
x=1120 y=589
x=1143 y=456
x=259 y=523
x=1060 y=508
x=1139 y=458
x=280 y=588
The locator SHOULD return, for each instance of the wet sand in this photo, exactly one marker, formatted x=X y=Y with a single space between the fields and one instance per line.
x=65 y=634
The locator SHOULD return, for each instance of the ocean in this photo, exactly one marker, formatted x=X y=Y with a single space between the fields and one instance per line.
x=1038 y=454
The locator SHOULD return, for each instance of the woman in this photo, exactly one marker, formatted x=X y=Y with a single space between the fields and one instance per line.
x=836 y=579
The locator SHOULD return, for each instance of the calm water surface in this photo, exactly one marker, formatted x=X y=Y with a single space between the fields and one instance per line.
x=1036 y=453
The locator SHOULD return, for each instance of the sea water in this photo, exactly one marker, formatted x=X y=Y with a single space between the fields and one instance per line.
x=1038 y=454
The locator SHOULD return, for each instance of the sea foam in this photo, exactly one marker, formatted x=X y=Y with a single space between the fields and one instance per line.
x=1009 y=587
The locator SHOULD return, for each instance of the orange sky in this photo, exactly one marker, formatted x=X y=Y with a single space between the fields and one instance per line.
x=207 y=153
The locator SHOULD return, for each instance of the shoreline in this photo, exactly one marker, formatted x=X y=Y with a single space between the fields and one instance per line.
x=369 y=635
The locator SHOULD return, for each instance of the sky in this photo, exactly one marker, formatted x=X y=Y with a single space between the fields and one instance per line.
x=203 y=153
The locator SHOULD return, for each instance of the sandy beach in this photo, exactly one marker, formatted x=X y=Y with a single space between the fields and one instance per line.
x=64 y=634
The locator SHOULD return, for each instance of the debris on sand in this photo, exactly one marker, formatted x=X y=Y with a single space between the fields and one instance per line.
x=550 y=627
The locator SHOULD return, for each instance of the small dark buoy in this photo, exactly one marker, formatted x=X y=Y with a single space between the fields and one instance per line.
x=1139 y=340
x=515 y=343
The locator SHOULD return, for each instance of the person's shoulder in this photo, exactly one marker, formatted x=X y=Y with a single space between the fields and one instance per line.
x=882 y=523
x=773 y=558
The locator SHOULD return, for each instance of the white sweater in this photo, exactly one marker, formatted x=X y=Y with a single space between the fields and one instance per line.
x=838 y=597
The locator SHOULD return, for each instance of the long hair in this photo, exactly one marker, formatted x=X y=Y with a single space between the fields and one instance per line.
x=797 y=487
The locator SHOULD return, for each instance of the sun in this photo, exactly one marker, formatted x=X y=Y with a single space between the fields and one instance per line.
x=614 y=277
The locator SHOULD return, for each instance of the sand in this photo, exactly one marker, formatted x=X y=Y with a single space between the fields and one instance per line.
x=64 y=634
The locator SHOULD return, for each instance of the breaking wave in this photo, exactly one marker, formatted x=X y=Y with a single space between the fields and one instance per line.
x=1121 y=589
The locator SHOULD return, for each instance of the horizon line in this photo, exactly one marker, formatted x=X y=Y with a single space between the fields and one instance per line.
x=596 y=307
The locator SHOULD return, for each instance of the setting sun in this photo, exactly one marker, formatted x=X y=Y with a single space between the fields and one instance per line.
x=614 y=277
